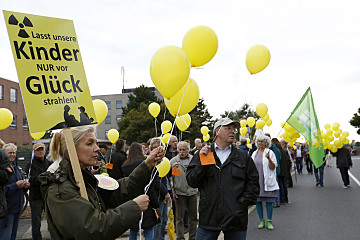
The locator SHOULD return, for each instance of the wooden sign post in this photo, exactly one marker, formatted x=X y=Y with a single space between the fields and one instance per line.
x=75 y=162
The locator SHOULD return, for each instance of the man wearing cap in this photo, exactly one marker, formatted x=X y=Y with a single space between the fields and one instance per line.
x=101 y=161
x=36 y=166
x=228 y=183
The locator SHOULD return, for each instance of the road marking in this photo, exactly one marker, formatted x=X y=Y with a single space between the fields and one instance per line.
x=354 y=178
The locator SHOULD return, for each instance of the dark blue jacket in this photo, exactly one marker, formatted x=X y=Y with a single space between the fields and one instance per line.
x=14 y=195
x=277 y=155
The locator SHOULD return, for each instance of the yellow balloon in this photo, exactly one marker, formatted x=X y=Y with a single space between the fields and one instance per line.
x=261 y=109
x=346 y=141
x=243 y=123
x=183 y=122
x=249 y=146
x=247 y=140
x=164 y=167
x=204 y=130
x=335 y=126
x=189 y=99
x=294 y=147
x=37 y=136
x=169 y=70
x=257 y=58
x=345 y=134
x=6 y=118
x=329 y=132
x=166 y=126
x=165 y=138
x=260 y=124
x=113 y=135
x=337 y=134
x=333 y=149
x=243 y=131
x=327 y=126
x=200 y=45
x=250 y=121
x=331 y=138
x=268 y=122
x=206 y=137
x=266 y=117
x=100 y=109
x=342 y=139
x=291 y=144
x=283 y=125
x=337 y=144
x=154 y=109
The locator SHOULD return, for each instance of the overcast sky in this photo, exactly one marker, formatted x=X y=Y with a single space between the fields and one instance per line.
x=312 y=43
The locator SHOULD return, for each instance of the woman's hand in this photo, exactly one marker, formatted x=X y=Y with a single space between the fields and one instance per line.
x=155 y=157
x=142 y=201
x=271 y=164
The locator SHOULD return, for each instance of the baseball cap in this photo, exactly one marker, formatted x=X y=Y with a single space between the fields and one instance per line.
x=103 y=146
x=225 y=122
x=38 y=145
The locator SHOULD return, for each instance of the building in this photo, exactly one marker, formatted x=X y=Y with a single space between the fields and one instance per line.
x=115 y=103
x=10 y=98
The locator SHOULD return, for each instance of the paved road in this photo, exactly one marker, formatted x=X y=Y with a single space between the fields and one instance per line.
x=329 y=213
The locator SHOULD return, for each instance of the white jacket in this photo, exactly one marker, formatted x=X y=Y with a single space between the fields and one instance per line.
x=269 y=175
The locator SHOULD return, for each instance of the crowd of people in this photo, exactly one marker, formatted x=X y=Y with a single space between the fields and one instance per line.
x=224 y=175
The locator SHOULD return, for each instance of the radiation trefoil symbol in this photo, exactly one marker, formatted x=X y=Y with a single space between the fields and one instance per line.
x=26 y=23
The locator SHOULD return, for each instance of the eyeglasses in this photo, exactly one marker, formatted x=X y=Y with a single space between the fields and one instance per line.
x=232 y=128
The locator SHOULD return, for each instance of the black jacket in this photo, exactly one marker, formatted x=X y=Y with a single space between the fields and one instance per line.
x=37 y=167
x=226 y=190
x=149 y=218
x=284 y=163
x=117 y=159
x=343 y=158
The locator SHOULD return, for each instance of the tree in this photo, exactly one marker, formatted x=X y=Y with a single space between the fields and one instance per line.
x=141 y=94
x=355 y=121
x=243 y=113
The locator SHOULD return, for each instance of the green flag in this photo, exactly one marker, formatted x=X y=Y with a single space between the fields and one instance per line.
x=305 y=121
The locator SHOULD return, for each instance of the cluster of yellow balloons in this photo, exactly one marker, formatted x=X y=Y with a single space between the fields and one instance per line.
x=113 y=135
x=170 y=69
x=262 y=111
x=183 y=122
x=6 y=118
x=248 y=144
x=257 y=58
x=290 y=135
x=333 y=137
x=205 y=132
x=250 y=121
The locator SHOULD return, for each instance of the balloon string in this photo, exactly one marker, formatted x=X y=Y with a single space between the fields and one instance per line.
x=111 y=152
x=155 y=127
x=232 y=108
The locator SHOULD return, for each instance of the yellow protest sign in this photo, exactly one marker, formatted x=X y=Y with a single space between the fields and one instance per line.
x=50 y=71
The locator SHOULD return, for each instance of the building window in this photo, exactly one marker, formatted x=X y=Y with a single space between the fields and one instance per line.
x=1 y=92
x=25 y=124
x=13 y=124
x=118 y=118
x=13 y=94
x=106 y=133
x=118 y=104
x=108 y=104
x=108 y=120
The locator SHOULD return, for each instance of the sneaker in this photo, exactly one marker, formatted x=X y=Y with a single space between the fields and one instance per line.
x=262 y=224
x=345 y=186
x=317 y=183
x=269 y=225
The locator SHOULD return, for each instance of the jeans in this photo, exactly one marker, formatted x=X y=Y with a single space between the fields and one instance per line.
x=37 y=207
x=283 y=189
x=299 y=164
x=9 y=232
x=159 y=229
x=269 y=210
x=183 y=202
x=321 y=178
x=204 y=234
x=277 y=200
x=345 y=175
x=148 y=232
